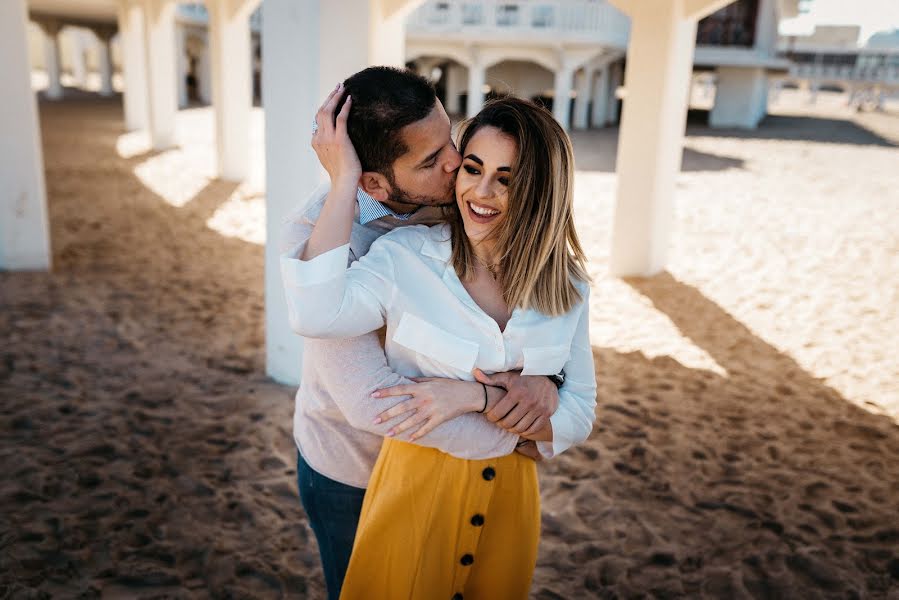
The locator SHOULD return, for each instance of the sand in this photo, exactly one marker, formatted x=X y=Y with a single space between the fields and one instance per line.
x=746 y=443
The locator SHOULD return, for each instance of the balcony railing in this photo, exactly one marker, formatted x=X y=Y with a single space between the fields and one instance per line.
x=863 y=66
x=575 y=20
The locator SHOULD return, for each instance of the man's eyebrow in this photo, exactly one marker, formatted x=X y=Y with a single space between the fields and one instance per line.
x=429 y=158
x=475 y=158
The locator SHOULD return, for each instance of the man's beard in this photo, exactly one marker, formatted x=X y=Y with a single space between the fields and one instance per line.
x=399 y=196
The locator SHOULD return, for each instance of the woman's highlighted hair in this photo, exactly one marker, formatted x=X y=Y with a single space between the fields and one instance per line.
x=540 y=254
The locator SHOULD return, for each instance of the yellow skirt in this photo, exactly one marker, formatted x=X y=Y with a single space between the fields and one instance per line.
x=436 y=526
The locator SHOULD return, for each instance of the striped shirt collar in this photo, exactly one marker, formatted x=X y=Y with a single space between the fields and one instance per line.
x=372 y=210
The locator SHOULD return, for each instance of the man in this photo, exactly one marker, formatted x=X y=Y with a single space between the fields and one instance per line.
x=402 y=136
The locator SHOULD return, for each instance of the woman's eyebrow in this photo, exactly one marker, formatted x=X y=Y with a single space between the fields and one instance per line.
x=475 y=158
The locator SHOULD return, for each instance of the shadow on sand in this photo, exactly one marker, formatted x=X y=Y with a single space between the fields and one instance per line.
x=147 y=453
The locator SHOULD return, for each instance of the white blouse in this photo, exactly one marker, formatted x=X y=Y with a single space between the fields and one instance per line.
x=435 y=328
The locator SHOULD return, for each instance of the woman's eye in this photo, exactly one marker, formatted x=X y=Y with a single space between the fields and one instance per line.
x=471 y=170
x=504 y=181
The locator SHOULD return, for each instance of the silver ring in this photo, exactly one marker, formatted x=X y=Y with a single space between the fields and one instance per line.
x=314 y=126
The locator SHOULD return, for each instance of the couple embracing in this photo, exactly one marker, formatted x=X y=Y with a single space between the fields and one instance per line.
x=418 y=448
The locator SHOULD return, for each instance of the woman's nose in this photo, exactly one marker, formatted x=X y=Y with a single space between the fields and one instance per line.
x=484 y=189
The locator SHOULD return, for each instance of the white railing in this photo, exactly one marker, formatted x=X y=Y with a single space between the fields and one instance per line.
x=868 y=74
x=595 y=20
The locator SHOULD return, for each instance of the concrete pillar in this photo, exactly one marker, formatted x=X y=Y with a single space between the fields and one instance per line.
x=104 y=38
x=79 y=63
x=51 y=59
x=159 y=40
x=181 y=65
x=135 y=97
x=741 y=99
x=600 y=108
x=477 y=75
x=455 y=82
x=582 y=100
x=562 y=95
x=659 y=66
x=232 y=86
x=302 y=62
x=204 y=74
x=614 y=83
x=24 y=233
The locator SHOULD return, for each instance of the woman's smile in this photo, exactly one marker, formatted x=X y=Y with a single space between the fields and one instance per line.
x=480 y=213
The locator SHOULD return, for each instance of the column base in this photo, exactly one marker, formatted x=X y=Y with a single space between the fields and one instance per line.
x=741 y=99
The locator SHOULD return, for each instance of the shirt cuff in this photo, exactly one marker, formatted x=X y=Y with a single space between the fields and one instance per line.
x=322 y=268
x=558 y=443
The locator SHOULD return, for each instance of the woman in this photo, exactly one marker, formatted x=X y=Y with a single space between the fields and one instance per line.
x=501 y=286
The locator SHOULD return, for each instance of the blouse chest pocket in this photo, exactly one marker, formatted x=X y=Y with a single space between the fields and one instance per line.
x=545 y=360
x=440 y=346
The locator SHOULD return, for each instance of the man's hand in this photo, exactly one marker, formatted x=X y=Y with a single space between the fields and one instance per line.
x=529 y=449
x=529 y=402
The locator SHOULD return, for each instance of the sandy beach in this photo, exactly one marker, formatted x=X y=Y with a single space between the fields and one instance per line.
x=747 y=435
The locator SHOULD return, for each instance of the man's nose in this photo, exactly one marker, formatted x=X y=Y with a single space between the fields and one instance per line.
x=453 y=162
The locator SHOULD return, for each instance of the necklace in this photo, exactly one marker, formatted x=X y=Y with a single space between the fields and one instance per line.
x=492 y=269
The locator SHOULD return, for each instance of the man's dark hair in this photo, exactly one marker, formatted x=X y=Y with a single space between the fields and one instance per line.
x=385 y=100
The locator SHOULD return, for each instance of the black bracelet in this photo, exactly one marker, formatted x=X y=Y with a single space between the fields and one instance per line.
x=485 y=399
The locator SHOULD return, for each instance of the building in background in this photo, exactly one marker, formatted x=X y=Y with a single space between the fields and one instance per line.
x=831 y=59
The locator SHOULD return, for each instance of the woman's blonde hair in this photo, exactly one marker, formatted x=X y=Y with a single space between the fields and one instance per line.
x=539 y=251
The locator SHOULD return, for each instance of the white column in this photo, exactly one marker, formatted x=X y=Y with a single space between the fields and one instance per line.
x=614 y=84
x=659 y=64
x=159 y=35
x=562 y=95
x=51 y=59
x=600 y=108
x=386 y=30
x=302 y=62
x=477 y=75
x=135 y=96
x=454 y=86
x=79 y=64
x=204 y=74
x=24 y=233
x=741 y=98
x=582 y=100
x=104 y=37
x=229 y=47
x=181 y=63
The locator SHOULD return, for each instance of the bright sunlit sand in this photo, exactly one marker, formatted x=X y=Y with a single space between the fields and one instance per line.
x=746 y=443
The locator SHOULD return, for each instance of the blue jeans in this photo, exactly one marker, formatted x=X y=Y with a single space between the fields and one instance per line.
x=333 y=509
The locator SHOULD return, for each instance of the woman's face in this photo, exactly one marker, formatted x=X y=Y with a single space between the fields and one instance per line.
x=482 y=185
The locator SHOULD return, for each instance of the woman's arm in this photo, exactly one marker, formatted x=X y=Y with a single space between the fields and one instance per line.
x=435 y=400
x=573 y=420
x=335 y=151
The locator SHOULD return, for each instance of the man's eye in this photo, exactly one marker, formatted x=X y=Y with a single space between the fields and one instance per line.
x=471 y=170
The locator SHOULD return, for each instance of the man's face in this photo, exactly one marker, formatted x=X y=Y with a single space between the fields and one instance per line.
x=426 y=174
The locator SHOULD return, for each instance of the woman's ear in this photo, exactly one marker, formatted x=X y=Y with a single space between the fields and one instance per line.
x=375 y=185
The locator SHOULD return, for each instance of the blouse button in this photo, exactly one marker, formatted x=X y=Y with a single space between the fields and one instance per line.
x=466 y=560
x=457 y=596
x=477 y=520
x=488 y=473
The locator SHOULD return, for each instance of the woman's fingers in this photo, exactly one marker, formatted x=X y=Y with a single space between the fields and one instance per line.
x=415 y=419
x=324 y=107
x=425 y=429
x=397 y=390
x=325 y=116
x=343 y=115
x=395 y=411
